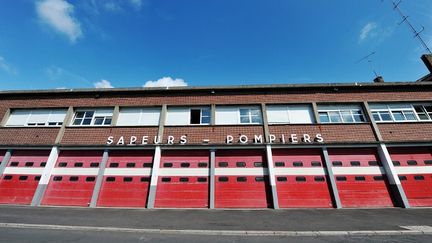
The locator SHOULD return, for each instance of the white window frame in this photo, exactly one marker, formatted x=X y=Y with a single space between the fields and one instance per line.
x=288 y=109
x=45 y=124
x=201 y=115
x=141 y=116
x=341 y=110
x=389 y=109
x=94 y=117
x=249 y=115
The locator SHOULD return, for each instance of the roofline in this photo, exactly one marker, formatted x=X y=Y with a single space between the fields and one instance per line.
x=220 y=88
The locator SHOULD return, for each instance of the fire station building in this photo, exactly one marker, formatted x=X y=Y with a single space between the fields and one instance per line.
x=268 y=146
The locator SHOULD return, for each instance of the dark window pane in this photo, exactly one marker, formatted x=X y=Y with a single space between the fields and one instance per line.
x=185 y=165
x=223 y=164
x=184 y=179
x=412 y=162
x=319 y=178
x=378 y=178
x=418 y=177
x=62 y=164
x=14 y=164
x=29 y=164
x=223 y=179
x=373 y=163
x=145 y=179
x=130 y=165
x=202 y=165
x=316 y=163
x=166 y=179
x=7 y=177
x=402 y=178
x=280 y=164
x=428 y=162
x=281 y=178
x=114 y=165
x=300 y=178
x=37 y=178
x=127 y=179
x=111 y=178
x=168 y=165
x=258 y=164
x=341 y=178
x=241 y=179
x=355 y=163
x=90 y=178
x=43 y=164
x=147 y=165
x=240 y=164
x=360 y=178
x=195 y=117
x=297 y=164
x=78 y=164
x=57 y=178
x=259 y=179
x=337 y=163
x=73 y=178
x=23 y=178
x=396 y=163
x=202 y=179
x=94 y=164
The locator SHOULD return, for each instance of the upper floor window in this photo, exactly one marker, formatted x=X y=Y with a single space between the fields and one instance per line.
x=289 y=114
x=36 y=117
x=96 y=117
x=401 y=112
x=340 y=114
x=238 y=115
x=147 y=116
x=188 y=116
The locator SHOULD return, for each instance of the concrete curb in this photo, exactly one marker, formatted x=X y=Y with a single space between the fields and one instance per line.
x=215 y=232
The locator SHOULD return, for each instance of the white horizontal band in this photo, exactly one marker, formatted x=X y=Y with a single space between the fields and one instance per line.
x=300 y=171
x=23 y=170
x=75 y=171
x=127 y=172
x=371 y=170
x=241 y=171
x=414 y=170
x=184 y=172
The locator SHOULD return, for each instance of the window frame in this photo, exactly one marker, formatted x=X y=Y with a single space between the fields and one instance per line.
x=377 y=112
x=201 y=109
x=31 y=111
x=93 y=118
x=339 y=110
x=249 y=115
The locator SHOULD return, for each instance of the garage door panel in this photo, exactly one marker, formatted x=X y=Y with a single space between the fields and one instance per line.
x=64 y=191
x=124 y=191
x=418 y=189
x=15 y=191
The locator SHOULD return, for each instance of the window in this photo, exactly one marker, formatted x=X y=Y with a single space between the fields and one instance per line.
x=223 y=179
x=90 y=178
x=62 y=164
x=412 y=162
x=94 y=164
x=340 y=114
x=300 y=178
x=73 y=178
x=188 y=116
x=114 y=165
x=110 y=179
x=148 y=116
x=402 y=178
x=127 y=179
x=145 y=179
x=258 y=164
x=259 y=179
x=279 y=164
x=29 y=164
x=185 y=165
x=396 y=163
x=240 y=164
x=43 y=164
x=57 y=178
x=250 y=116
x=23 y=178
x=341 y=178
x=378 y=178
x=360 y=178
x=337 y=163
x=297 y=164
x=202 y=179
x=200 y=116
x=319 y=178
x=14 y=164
x=37 y=178
x=147 y=165
x=281 y=178
x=226 y=115
x=98 y=117
x=7 y=177
x=36 y=117
x=418 y=177
x=78 y=164
x=168 y=165
x=202 y=164
x=241 y=179
x=130 y=165
x=428 y=162
x=373 y=163
x=355 y=163
x=315 y=163
x=184 y=179
x=401 y=112
x=289 y=114
x=166 y=179
x=223 y=164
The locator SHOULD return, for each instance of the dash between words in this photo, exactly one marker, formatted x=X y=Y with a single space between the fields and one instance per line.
x=230 y=139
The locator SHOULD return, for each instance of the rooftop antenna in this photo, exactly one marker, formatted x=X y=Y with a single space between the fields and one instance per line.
x=368 y=59
x=413 y=30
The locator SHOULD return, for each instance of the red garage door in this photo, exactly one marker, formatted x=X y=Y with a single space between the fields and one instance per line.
x=360 y=178
x=126 y=180
x=21 y=176
x=183 y=180
x=241 y=180
x=414 y=167
x=301 y=179
x=73 y=178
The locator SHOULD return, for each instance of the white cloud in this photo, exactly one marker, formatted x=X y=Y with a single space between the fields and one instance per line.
x=112 y=6
x=165 y=82
x=59 y=15
x=103 y=84
x=367 y=31
x=136 y=3
x=7 y=67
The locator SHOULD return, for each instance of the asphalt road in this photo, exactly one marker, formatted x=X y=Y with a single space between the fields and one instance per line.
x=95 y=221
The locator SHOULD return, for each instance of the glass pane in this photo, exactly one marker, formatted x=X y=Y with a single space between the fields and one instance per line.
x=423 y=116
x=244 y=112
x=334 y=116
x=205 y=112
x=418 y=108
x=428 y=108
x=86 y=122
x=376 y=117
x=324 y=117
x=205 y=120
x=77 y=122
x=255 y=112
x=409 y=115
x=256 y=119
x=195 y=116
x=98 y=120
x=398 y=116
x=89 y=114
x=80 y=114
x=108 y=121
x=359 y=118
x=244 y=119
x=385 y=116
x=346 y=116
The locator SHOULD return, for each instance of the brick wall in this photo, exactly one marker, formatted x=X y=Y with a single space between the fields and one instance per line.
x=414 y=131
x=28 y=136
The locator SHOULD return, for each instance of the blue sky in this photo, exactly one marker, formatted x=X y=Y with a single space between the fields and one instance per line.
x=47 y=44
